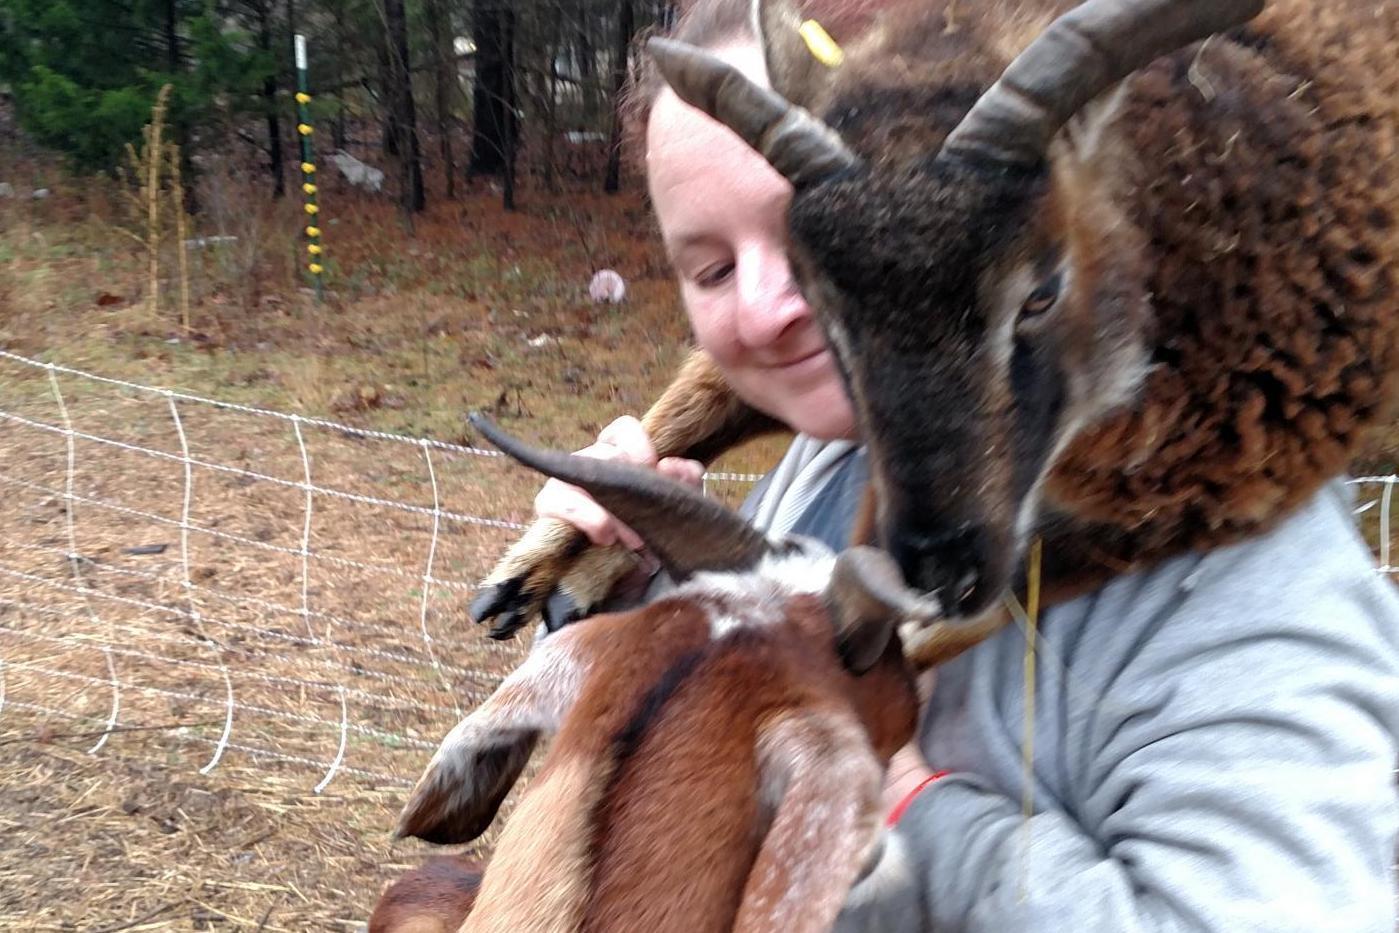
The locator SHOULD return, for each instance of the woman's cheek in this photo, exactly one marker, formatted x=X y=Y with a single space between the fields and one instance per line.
x=713 y=327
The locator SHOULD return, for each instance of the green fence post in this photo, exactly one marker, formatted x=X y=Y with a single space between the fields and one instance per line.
x=316 y=264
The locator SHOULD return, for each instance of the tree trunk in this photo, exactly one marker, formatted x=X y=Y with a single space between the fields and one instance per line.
x=626 y=29
x=445 y=71
x=512 y=129
x=491 y=94
x=337 y=128
x=172 y=36
x=276 y=160
x=548 y=107
x=404 y=116
x=275 y=163
x=386 y=94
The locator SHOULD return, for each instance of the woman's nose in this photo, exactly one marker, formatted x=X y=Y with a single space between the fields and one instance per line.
x=769 y=303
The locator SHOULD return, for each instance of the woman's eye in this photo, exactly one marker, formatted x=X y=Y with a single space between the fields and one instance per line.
x=715 y=275
x=1041 y=299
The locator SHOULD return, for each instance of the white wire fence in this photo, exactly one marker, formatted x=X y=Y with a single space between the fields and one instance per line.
x=229 y=586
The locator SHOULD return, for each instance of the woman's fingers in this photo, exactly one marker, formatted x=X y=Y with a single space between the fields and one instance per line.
x=629 y=439
x=624 y=439
x=690 y=472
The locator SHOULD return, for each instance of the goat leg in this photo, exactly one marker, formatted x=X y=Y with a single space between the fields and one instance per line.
x=552 y=565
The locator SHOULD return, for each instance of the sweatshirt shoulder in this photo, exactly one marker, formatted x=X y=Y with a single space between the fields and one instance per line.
x=1302 y=603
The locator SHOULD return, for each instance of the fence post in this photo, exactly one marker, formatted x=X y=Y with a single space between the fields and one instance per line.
x=315 y=265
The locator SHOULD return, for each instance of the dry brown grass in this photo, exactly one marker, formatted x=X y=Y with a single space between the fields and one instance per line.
x=417 y=333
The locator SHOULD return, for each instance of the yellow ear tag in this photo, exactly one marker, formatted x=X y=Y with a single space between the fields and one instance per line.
x=821 y=45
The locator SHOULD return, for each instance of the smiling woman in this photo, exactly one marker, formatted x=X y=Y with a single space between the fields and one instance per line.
x=722 y=211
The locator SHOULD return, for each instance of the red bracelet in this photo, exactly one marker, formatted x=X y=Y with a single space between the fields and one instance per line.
x=897 y=813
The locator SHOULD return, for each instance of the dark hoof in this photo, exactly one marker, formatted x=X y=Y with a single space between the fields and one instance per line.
x=494 y=599
x=507 y=624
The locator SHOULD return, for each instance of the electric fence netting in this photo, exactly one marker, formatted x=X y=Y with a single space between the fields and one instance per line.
x=211 y=581
x=214 y=581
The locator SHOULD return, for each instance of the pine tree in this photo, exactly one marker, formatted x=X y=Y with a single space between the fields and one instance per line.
x=84 y=73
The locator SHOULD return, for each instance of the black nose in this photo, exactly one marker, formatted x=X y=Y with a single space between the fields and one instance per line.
x=953 y=561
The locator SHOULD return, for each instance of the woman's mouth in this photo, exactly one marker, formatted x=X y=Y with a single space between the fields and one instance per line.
x=805 y=361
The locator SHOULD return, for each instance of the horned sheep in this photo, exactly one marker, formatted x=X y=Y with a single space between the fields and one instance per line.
x=716 y=756
x=1087 y=279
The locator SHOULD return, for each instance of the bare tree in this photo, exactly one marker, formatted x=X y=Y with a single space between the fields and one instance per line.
x=512 y=128
x=445 y=73
x=493 y=93
x=626 y=31
x=404 y=119
x=262 y=10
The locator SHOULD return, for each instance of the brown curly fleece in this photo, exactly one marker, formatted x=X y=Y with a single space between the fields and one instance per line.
x=1267 y=186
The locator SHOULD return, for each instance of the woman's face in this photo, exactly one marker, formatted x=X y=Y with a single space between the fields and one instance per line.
x=723 y=217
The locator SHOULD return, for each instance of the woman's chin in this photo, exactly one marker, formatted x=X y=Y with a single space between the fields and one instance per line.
x=807 y=396
x=822 y=412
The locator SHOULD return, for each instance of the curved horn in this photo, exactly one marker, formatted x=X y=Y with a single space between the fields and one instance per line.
x=1080 y=55
x=804 y=149
x=685 y=530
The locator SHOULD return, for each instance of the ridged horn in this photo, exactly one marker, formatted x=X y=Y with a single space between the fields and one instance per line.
x=804 y=149
x=1081 y=54
x=685 y=530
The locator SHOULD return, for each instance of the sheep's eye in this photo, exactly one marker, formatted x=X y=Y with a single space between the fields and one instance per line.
x=1041 y=299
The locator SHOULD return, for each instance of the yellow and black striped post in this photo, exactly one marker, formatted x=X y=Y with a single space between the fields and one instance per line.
x=315 y=263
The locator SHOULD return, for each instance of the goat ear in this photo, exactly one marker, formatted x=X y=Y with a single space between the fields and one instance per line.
x=458 y=796
x=821 y=776
x=478 y=762
x=869 y=601
x=793 y=69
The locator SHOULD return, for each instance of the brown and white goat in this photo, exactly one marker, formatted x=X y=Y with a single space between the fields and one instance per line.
x=717 y=755
x=1087 y=278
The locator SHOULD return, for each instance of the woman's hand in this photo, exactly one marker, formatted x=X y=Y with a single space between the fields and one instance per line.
x=624 y=439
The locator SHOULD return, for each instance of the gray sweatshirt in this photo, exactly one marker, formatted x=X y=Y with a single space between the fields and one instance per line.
x=1214 y=745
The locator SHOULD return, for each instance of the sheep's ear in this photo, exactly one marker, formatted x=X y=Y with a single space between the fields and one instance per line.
x=481 y=759
x=793 y=69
